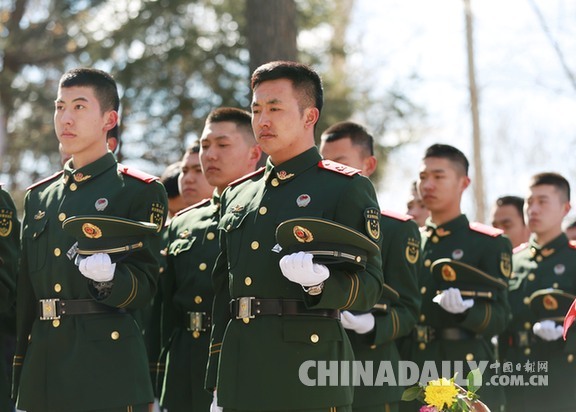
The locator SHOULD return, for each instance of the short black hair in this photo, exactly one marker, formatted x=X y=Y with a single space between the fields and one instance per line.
x=354 y=131
x=515 y=201
x=241 y=118
x=102 y=83
x=552 y=179
x=304 y=80
x=170 y=179
x=450 y=153
x=194 y=147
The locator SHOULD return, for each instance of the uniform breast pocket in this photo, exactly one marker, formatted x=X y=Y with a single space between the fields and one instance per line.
x=231 y=223
x=36 y=238
x=180 y=245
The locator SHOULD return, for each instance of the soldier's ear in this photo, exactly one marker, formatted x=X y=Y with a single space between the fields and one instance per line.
x=465 y=182
x=111 y=119
x=311 y=116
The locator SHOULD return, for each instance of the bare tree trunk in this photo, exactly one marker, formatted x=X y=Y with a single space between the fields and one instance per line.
x=271 y=31
x=477 y=144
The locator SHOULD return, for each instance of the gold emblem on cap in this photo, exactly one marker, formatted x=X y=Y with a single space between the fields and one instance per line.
x=302 y=234
x=91 y=231
x=550 y=302
x=448 y=273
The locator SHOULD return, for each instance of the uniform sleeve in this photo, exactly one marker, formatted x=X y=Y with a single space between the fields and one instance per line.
x=401 y=265
x=346 y=289
x=9 y=250
x=136 y=276
x=490 y=317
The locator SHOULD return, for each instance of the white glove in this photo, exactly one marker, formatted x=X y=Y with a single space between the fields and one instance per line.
x=451 y=301
x=547 y=330
x=361 y=324
x=299 y=268
x=98 y=267
x=214 y=405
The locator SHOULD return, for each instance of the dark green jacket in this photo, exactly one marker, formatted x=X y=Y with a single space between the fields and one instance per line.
x=259 y=361
x=89 y=361
x=539 y=267
x=400 y=264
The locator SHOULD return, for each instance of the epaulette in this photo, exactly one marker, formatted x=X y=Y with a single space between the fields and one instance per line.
x=55 y=175
x=338 y=167
x=485 y=229
x=520 y=247
x=246 y=177
x=572 y=244
x=194 y=206
x=395 y=215
x=137 y=174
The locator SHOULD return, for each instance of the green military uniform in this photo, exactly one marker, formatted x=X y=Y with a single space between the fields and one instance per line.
x=187 y=305
x=443 y=336
x=393 y=319
x=83 y=350
x=538 y=267
x=260 y=356
x=9 y=253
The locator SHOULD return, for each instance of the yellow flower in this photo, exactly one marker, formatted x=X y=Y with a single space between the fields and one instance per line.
x=440 y=393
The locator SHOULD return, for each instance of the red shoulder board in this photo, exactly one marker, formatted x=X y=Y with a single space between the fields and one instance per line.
x=572 y=244
x=194 y=206
x=520 y=247
x=55 y=175
x=246 y=177
x=398 y=216
x=485 y=229
x=338 y=167
x=138 y=174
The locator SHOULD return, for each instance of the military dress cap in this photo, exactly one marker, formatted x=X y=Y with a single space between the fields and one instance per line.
x=472 y=282
x=107 y=234
x=330 y=242
x=550 y=304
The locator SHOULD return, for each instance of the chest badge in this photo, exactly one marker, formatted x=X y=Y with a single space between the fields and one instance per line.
x=39 y=215
x=457 y=254
x=559 y=269
x=303 y=200
x=101 y=204
x=372 y=217
x=283 y=175
x=6 y=222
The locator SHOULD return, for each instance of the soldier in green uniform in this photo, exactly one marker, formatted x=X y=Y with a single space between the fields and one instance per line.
x=9 y=254
x=508 y=215
x=545 y=266
x=453 y=325
x=279 y=311
x=373 y=333
x=228 y=152
x=79 y=348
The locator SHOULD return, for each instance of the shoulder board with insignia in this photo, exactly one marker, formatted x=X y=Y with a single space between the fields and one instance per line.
x=194 y=206
x=55 y=175
x=572 y=244
x=520 y=247
x=246 y=177
x=395 y=215
x=138 y=174
x=485 y=229
x=338 y=168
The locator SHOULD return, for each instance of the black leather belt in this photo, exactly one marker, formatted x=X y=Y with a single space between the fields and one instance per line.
x=424 y=333
x=50 y=309
x=197 y=321
x=250 y=307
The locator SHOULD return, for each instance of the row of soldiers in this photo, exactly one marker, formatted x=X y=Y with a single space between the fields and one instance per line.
x=288 y=263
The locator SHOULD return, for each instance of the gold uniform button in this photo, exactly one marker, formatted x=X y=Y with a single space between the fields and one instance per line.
x=427 y=263
x=73 y=187
x=198 y=300
x=555 y=285
x=263 y=210
x=247 y=280
x=161 y=270
x=228 y=227
x=527 y=351
x=570 y=358
x=526 y=300
x=115 y=335
x=373 y=346
x=210 y=236
x=246 y=320
x=421 y=346
x=531 y=277
x=423 y=290
x=274 y=182
x=469 y=357
x=62 y=217
x=255 y=245
x=435 y=239
x=57 y=287
x=538 y=258
x=202 y=266
x=195 y=334
x=57 y=252
x=314 y=338
x=422 y=317
x=56 y=323
x=527 y=326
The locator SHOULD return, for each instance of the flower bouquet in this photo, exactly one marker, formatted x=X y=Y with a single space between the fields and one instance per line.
x=444 y=395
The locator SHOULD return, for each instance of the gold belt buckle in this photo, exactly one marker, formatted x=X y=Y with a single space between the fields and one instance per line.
x=49 y=309
x=196 y=324
x=245 y=308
